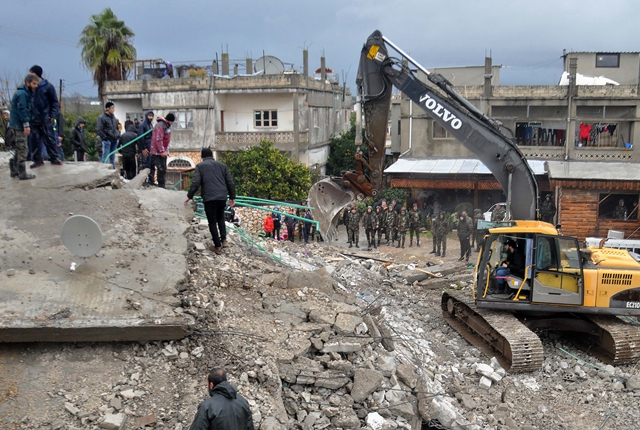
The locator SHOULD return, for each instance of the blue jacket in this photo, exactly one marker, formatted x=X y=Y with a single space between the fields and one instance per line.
x=146 y=125
x=45 y=103
x=21 y=105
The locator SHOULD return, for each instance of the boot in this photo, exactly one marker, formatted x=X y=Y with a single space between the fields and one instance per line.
x=398 y=246
x=357 y=244
x=350 y=245
x=22 y=172
x=443 y=252
x=438 y=253
x=418 y=243
x=374 y=244
x=410 y=242
x=403 y=243
x=433 y=252
x=13 y=168
x=461 y=258
x=378 y=243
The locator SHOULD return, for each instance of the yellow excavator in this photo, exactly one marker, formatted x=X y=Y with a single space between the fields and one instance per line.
x=528 y=276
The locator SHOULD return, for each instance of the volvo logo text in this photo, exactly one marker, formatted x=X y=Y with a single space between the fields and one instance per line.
x=440 y=111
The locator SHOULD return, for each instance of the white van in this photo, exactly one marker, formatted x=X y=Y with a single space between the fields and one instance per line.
x=487 y=214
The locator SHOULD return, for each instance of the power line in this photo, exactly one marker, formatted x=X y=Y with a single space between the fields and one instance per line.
x=34 y=36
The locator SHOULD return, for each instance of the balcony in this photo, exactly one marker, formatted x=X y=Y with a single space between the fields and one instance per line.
x=283 y=140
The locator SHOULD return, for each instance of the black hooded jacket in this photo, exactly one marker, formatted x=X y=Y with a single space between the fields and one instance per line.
x=145 y=126
x=77 y=136
x=126 y=138
x=224 y=410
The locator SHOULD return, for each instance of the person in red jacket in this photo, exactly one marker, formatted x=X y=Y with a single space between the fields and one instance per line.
x=268 y=226
x=160 y=140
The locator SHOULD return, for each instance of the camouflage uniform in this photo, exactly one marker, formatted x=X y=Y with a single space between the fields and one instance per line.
x=415 y=220
x=499 y=213
x=620 y=212
x=440 y=229
x=390 y=224
x=353 y=223
x=548 y=209
x=370 y=222
x=380 y=220
x=479 y=234
x=402 y=222
x=464 y=231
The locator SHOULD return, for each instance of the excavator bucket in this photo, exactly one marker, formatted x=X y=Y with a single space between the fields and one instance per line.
x=329 y=199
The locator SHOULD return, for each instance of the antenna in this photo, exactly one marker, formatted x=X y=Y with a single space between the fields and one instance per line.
x=82 y=236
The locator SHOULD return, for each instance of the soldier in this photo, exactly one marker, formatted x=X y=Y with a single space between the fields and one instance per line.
x=548 y=209
x=385 y=212
x=479 y=234
x=370 y=222
x=415 y=220
x=440 y=228
x=402 y=221
x=433 y=233
x=353 y=221
x=499 y=213
x=464 y=231
x=620 y=211
x=345 y=219
x=380 y=221
x=390 y=224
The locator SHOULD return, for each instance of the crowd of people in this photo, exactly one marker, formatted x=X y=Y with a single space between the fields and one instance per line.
x=295 y=222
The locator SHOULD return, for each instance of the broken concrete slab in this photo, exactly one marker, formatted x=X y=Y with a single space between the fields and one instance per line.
x=123 y=293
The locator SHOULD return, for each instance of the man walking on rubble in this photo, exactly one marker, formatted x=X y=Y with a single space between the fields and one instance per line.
x=225 y=409
x=216 y=181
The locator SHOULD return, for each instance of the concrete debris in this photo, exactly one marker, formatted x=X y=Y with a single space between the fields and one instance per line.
x=313 y=338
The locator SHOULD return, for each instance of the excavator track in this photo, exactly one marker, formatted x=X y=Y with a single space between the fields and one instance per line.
x=617 y=342
x=499 y=334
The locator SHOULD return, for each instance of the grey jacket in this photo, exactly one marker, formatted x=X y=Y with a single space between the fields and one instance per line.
x=215 y=180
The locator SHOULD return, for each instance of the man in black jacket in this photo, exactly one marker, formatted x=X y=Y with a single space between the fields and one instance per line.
x=146 y=161
x=216 y=181
x=45 y=109
x=107 y=129
x=225 y=409
x=129 y=152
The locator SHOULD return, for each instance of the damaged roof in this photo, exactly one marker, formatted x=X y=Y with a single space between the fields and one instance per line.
x=451 y=166
x=593 y=170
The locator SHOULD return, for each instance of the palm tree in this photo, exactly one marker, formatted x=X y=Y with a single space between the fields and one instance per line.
x=106 y=44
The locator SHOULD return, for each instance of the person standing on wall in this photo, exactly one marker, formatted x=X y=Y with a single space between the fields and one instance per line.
x=160 y=140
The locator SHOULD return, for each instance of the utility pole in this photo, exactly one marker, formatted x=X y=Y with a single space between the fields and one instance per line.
x=60 y=95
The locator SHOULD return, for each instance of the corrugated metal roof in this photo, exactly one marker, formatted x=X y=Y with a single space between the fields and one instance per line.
x=451 y=166
x=593 y=170
x=600 y=52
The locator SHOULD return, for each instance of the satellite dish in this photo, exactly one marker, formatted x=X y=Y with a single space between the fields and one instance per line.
x=270 y=64
x=82 y=235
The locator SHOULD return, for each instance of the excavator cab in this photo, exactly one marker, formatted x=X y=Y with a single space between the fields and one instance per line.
x=529 y=268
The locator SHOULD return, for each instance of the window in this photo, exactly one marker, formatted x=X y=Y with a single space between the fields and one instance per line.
x=607 y=60
x=265 y=118
x=439 y=132
x=184 y=121
x=178 y=163
x=315 y=118
x=618 y=206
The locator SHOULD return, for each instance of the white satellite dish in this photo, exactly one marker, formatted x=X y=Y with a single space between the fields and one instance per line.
x=82 y=235
x=270 y=64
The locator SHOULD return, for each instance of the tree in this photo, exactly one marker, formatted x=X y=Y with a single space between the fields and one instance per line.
x=342 y=151
x=263 y=172
x=106 y=43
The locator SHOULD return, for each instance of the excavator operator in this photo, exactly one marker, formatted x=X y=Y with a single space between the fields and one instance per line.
x=515 y=259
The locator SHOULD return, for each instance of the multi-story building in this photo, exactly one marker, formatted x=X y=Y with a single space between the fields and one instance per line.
x=585 y=135
x=231 y=112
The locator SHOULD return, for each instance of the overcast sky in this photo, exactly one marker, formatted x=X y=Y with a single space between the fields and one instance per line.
x=525 y=37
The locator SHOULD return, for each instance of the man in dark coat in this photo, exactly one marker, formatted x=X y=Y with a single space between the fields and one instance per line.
x=146 y=162
x=77 y=139
x=45 y=109
x=548 y=209
x=129 y=152
x=216 y=182
x=107 y=129
x=225 y=409
x=19 y=123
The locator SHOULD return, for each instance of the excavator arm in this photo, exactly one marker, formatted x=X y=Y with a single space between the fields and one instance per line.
x=378 y=73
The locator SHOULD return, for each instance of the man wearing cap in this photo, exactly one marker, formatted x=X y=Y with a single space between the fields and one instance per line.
x=548 y=209
x=107 y=128
x=4 y=128
x=44 y=110
x=415 y=222
x=160 y=140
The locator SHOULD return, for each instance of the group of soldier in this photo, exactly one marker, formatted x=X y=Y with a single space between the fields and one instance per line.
x=387 y=220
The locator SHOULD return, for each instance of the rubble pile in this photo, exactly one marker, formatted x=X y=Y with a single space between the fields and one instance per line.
x=318 y=339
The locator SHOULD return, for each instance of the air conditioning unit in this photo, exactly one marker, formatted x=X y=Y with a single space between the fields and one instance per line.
x=614 y=234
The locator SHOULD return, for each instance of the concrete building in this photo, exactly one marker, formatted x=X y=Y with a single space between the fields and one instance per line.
x=595 y=125
x=231 y=112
